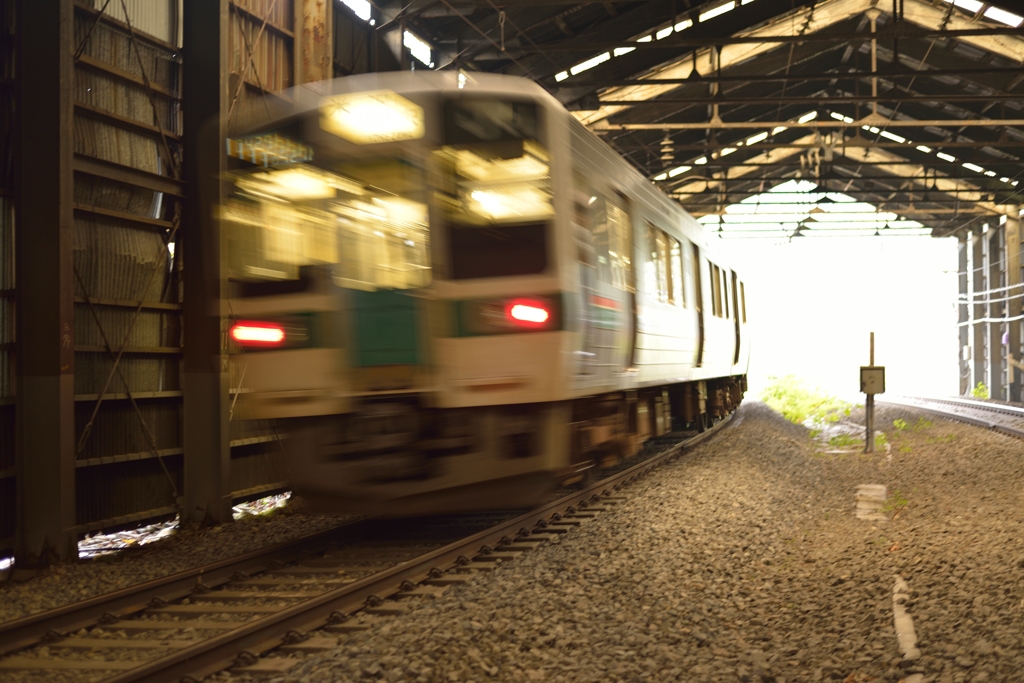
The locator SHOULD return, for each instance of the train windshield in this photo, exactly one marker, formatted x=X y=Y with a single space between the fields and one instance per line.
x=495 y=195
x=365 y=221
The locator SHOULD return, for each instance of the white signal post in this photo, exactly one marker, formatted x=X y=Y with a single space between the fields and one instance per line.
x=872 y=381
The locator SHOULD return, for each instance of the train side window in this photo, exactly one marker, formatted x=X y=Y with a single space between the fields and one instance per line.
x=677 y=291
x=698 y=288
x=620 y=243
x=716 y=292
x=725 y=292
x=743 y=301
x=665 y=269
x=735 y=295
x=600 y=230
x=651 y=268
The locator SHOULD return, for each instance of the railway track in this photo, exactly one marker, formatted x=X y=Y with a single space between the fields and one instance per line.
x=1005 y=419
x=291 y=598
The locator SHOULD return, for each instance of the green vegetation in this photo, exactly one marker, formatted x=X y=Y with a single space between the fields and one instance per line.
x=980 y=391
x=894 y=503
x=923 y=424
x=844 y=441
x=790 y=397
x=900 y=425
x=881 y=441
x=905 y=448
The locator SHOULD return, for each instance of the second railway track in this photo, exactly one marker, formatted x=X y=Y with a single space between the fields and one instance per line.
x=190 y=625
x=1005 y=419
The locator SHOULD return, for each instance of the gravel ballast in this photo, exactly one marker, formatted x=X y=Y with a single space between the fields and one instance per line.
x=188 y=548
x=743 y=561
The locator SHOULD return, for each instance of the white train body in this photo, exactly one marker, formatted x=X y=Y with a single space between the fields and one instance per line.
x=507 y=302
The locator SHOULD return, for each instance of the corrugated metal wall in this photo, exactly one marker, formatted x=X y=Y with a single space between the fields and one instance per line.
x=127 y=146
x=126 y=295
x=8 y=497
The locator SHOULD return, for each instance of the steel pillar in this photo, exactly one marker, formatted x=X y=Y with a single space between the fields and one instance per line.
x=45 y=431
x=207 y=496
x=995 y=310
x=963 y=330
x=978 y=353
x=1014 y=292
x=314 y=45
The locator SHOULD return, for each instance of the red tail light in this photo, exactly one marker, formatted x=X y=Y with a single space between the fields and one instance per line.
x=528 y=313
x=258 y=334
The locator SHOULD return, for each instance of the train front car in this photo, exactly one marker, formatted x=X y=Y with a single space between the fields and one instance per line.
x=452 y=296
x=395 y=299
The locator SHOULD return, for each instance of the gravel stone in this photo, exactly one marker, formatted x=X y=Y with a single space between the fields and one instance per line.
x=743 y=561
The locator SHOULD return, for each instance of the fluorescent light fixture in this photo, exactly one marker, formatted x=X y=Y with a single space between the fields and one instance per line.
x=726 y=151
x=969 y=5
x=945 y=157
x=871 y=129
x=922 y=148
x=645 y=39
x=661 y=176
x=361 y=8
x=809 y=116
x=418 y=48
x=1014 y=182
x=973 y=167
x=371 y=117
x=619 y=51
x=754 y=139
x=892 y=136
x=561 y=76
x=1004 y=179
x=701 y=161
x=778 y=129
x=663 y=33
x=677 y=170
x=1003 y=17
x=722 y=9
x=990 y=174
x=683 y=25
x=590 y=63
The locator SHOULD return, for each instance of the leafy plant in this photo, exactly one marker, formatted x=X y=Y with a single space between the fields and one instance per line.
x=843 y=440
x=980 y=391
x=899 y=424
x=905 y=448
x=881 y=441
x=894 y=503
x=790 y=397
x=923 y=424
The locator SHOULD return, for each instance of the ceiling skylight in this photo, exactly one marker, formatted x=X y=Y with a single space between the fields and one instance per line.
x=361 y=8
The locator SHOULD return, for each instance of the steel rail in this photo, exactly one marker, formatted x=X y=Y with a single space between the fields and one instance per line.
x=260 y=635
x=30 y=630
x=910 y=402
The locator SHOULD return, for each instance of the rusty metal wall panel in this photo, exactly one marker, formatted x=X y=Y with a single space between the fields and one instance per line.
x=272 y=68
x=158 y=18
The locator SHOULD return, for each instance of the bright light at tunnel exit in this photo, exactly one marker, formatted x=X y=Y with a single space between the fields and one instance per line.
x=526 y=313
x=266 y=334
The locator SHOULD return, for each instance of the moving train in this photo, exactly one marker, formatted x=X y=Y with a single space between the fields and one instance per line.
x=452 y=296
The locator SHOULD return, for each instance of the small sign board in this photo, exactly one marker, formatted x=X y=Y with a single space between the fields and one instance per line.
x=872 y=379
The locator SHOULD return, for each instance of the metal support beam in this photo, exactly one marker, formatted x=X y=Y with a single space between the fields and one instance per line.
x=207 y=496
x=1014 y=293
x=45 y=432
x=996 y=357
x=978 y=354
x=963 y=330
